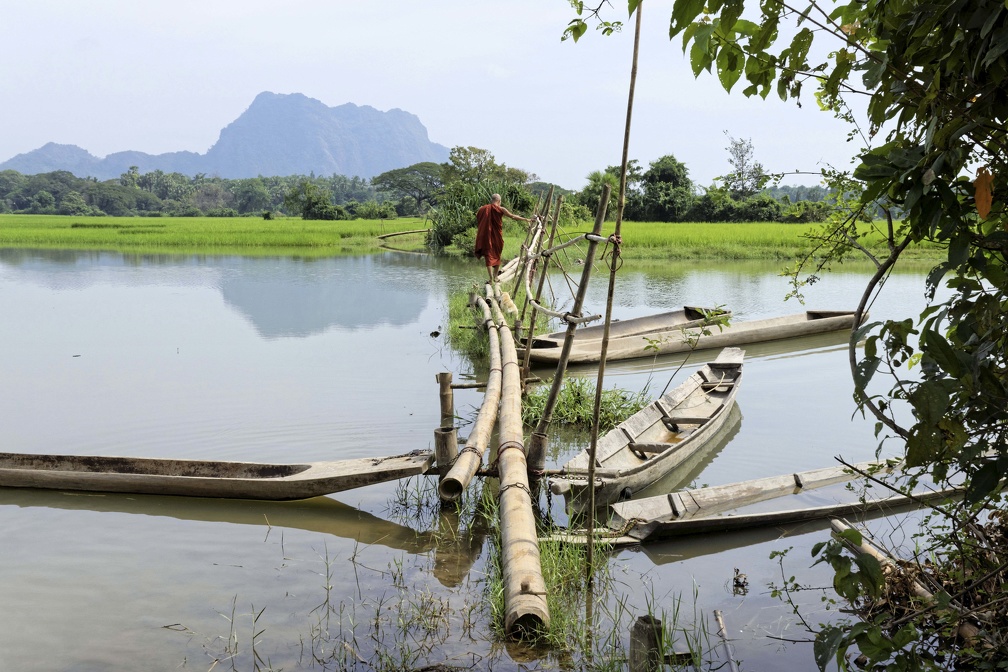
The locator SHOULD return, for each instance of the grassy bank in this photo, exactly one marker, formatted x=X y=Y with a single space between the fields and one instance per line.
x=254 y=236
x=646 y=241
x=251 y=236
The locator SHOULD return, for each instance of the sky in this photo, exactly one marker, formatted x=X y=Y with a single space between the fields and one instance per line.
x=160 y=76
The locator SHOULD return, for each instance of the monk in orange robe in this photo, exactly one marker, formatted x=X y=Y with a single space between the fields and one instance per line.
x=490 y=233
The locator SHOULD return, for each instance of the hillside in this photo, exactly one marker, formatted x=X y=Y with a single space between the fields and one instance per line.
x=279 y=134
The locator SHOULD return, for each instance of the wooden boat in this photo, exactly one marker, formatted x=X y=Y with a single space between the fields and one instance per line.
x=688 y=316
x=204 y=478
x=775 y=500
x=677 y=339
x=656 y=440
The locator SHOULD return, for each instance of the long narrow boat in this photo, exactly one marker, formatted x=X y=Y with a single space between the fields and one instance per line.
x=775 y=500
x=681 y=339
x=688 y=316
x=204 y=478
x=656 y=440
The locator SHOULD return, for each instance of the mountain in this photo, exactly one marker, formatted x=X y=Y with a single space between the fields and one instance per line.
x=279 y=134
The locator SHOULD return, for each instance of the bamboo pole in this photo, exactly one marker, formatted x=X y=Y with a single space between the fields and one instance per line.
x=538 y=443
x=538 y=295
x=470 y=458
x=723 y=634
x=525 y=609
x=613 y=266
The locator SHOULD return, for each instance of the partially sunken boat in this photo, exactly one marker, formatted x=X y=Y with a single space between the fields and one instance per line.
x=204 y=478
x=686 y=338
x=656 y=440
x=688 y=316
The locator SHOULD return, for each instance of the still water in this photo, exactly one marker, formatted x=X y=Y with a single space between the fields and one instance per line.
x=290 y=360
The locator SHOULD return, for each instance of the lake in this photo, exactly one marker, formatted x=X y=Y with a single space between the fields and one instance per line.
x=291 y=360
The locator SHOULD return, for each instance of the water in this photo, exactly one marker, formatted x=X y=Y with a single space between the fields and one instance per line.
x=292 y=360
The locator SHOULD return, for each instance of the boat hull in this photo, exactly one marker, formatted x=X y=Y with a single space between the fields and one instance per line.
x=688 y=316
x=680 y=340
x=204 y=478
x=657 y=440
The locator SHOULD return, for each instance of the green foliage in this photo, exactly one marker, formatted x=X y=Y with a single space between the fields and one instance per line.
x=420 y=182
x=575 y=405
x=312 y=202
x=932 y=78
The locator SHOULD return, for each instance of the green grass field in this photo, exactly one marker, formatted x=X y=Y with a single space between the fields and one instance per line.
x=253 y=236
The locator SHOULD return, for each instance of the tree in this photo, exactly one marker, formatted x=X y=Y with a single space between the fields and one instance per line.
x=591 y=194
x=312 y=202
x=747 y=176
x=929 y=79
x=936 y=71
x=421 y=181
x=668 y=190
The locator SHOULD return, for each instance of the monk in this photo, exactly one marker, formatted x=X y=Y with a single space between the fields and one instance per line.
x=490 y=233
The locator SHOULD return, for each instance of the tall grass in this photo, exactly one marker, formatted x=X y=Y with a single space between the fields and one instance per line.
x=241 y=235
x=575 y=405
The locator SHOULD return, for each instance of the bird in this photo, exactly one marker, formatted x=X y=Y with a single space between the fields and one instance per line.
x=436 y=332
x=741 y=580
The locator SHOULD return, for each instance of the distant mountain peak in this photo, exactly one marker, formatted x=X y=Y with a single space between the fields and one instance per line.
x=279 y=134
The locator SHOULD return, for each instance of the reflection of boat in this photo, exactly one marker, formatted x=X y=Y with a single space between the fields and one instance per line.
x=693 y=338
x=204 y=478
x=689 y=316
x=455 y=549
x=323 y=515
x=658 y=439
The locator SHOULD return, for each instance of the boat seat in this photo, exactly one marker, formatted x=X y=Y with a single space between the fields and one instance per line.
x=647 y=449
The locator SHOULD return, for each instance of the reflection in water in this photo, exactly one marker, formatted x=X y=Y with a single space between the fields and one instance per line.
x=310 y=297
x=319 y=514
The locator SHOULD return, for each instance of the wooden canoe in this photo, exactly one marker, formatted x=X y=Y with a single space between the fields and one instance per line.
x=656 y=440
x=675 y=340
x=775 y=500
x=688 y=316
x=204 y=478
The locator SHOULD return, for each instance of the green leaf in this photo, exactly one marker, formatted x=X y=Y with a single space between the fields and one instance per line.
x=984 y=481
x=632 y=6
x=730 y=60
x=684 y=12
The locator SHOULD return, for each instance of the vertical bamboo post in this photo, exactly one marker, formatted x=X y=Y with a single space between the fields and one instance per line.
x=538 y=461
x=445 y=437
x=470 y=458
x=645 y=651
x=525 y=608
x=539 y=288
x=723 y=634
x=613 y=266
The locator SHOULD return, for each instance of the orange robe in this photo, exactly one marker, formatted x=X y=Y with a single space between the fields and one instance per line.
x=490 y=233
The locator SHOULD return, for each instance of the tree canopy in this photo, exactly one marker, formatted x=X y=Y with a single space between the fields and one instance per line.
x=930 y=80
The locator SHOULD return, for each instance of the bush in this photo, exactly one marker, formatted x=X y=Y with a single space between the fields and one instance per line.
x=221 y=212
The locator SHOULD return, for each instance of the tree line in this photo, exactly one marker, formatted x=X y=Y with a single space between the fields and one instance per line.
x=663 y=192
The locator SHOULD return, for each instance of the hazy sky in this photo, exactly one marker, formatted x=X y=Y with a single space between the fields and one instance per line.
x=159 y=76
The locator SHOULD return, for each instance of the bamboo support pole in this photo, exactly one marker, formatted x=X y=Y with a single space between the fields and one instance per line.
x=613 y=266
x=447 y=397
x=723 y=634
x=470 y=458
x=525 y=608
x=533 y=301
x=645 y=651
x=537 y=461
